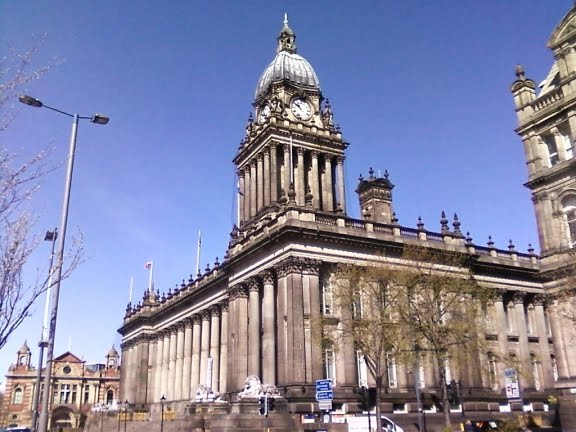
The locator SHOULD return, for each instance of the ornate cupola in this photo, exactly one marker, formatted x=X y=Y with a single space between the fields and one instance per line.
x=375 y=194
x=292 y=152
x=24 y=355
x=112 y=358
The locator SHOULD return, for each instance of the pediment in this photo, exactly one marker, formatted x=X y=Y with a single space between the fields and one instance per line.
x=68 y=357
x=564 y=31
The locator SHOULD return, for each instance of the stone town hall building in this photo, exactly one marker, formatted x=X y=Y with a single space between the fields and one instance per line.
x=251 y=314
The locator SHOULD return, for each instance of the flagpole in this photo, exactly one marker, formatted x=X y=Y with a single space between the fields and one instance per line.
x=130 y=292
x=198 y=252
x=151 y=276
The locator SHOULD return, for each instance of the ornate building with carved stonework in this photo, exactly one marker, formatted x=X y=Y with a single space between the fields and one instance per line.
x=77 y=388
x=252 y=313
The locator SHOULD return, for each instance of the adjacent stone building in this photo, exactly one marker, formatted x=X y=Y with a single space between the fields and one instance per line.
x=77 y=387
x=252 y=313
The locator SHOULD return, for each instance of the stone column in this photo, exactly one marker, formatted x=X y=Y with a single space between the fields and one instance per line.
x=501 y=326
x=224 y=331
x=327 y=187
x=195 y=368
x=242 y=332
x=266 y=176
x=543 y=344
x=253 y=189
x=142 y=378
x=314 y=181
x=524 y=350
x=158 y=374
x=269 y=334
x=186 y=367
x=287 y=168
x=281 y=326
x=205 y=345
x=559 y=340
x=215 y=347
x=241 y=195
x=300 y=178
x=340 y=182
x=311 y=287
x=254 y=329
x=172 y=365
x=273 y=173
x=260 y=181
x=165 y=363
x=151 y=379
x=178 y=381
x=247 y=183
x=295 y=355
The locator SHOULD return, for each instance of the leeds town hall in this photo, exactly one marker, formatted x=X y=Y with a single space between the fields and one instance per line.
x=189 y=351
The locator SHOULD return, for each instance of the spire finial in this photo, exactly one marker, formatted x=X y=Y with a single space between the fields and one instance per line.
x=285 y=19
x=286 y=39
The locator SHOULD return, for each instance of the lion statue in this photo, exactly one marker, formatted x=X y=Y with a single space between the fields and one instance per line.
x=254 y=388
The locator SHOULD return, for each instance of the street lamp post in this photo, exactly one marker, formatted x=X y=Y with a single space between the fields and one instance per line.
x=125 y=414
x=162 y=400
x=51 y=237
x=98 y=119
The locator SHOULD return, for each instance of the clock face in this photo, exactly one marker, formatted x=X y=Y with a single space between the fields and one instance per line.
x=301 y=109
x=264 y=114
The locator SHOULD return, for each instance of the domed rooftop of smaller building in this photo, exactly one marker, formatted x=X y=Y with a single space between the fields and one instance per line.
x=112 y=352
x=24 y=348
x=287 y=65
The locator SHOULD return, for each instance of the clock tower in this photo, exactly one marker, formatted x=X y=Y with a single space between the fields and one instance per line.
x=292 y=153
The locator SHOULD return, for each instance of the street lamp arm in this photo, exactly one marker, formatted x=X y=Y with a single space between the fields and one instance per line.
x=33 y=102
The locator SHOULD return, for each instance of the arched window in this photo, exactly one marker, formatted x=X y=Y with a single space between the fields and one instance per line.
x=330 y=364
x=109 y=397
x=18 y=396
x=569 y=210
x=327 y=297
x=535 y=371
x=362 y=369
x=492 y=372
x=392 y=371
x=554 y=366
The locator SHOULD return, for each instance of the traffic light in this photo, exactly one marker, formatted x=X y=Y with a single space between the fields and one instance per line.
x=270 y=405
x=364 y=402
x=371 y=397
x=263 y=405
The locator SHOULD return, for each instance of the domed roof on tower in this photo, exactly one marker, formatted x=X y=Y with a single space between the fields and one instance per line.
x=287 y=65
x=24 y=349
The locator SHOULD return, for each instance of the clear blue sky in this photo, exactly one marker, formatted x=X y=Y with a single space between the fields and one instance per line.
x=420 y=88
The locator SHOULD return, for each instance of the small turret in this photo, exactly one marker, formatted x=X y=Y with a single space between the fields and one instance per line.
x=24 y=355
x=375 y=195
x=524 y=91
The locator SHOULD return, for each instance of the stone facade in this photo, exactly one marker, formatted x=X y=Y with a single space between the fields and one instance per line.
x=77 y=389
x=252 y=313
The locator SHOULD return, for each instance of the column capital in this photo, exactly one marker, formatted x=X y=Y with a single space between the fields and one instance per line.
x=253 y=285
x=340 y=159
x=311 y=266
x=273 y=144
x=518 y=297
x=539 y=300
x=300 y=150
x=267 y=277
x=498 y=294
x=196 y=318
x=241 y=172
x=215 y=310
x=314 y=154
x=224 y=305
x=205 y=314
x=253 y=163
x=266 y=151
x=260 y=157
x=238 y=291
x=189 y=322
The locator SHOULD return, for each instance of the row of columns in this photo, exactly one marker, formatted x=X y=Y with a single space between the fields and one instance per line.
x=271 y=171
x=174 y=362
x=516 y=304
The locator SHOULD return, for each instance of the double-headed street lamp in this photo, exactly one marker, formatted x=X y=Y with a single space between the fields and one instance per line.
x=162 y=401
x=99 y=119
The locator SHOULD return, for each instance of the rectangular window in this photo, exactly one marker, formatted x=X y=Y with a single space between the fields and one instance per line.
x=74 y=392
x=554 y=367
x=86 y=394
x=421 y=378
x=361 y=369
x=357 y=305
x=550 y=143
x=64 y=393
x=492 y=372
x=568 y=146
x=448 y=372
x=327 y=300
x=571 y=220
x=392 y=371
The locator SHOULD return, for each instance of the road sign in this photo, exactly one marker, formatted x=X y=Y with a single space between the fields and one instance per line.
x=323 y=385
x=324 y=395
x=325 y=405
